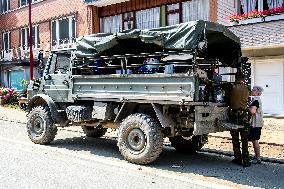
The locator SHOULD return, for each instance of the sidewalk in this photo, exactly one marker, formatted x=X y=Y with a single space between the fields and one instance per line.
x=14 y=115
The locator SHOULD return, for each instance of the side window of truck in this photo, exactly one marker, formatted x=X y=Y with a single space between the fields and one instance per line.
x=63 y=63
x=59 y=63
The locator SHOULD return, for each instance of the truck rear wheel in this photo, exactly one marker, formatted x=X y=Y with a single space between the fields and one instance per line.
x=187 y=144
x=140 y=139
x=94 y=132
x=40 y=125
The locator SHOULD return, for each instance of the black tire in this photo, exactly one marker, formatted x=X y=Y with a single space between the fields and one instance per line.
x=40 y=125
x=94 y=132
x=187 y=145
x=140 y=139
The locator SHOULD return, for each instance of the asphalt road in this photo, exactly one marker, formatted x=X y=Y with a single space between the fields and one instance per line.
x=74 y=161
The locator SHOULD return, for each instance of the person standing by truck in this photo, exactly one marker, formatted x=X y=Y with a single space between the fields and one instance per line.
x=256 y=122
x=238 y=114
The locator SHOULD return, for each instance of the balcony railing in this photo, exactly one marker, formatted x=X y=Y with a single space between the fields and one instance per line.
x=23 y=53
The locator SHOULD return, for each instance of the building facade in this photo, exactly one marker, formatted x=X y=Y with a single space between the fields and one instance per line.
x=114 y=15
x=261 y=30
x=258 y=23
x=54 y=22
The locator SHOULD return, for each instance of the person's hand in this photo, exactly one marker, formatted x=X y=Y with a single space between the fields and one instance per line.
x=253 y=126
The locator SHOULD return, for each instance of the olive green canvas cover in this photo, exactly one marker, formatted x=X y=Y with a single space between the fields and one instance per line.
x=221 y=42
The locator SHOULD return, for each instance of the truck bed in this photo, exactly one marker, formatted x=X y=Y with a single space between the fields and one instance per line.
x=158 y=88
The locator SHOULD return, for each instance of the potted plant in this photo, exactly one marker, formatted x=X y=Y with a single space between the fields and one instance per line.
x=24 y=84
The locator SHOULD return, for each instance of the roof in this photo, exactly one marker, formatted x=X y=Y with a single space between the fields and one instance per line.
x=220 y=42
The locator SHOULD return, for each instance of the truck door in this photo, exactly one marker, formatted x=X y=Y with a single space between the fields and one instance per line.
x=57 y=80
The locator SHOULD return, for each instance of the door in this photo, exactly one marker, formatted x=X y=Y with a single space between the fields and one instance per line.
x=269 y=75
x=57 y=85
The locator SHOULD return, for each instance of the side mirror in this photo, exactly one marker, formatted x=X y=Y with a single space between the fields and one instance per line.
x=47 y=77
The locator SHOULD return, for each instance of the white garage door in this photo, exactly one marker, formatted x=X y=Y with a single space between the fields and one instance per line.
x=269 y=75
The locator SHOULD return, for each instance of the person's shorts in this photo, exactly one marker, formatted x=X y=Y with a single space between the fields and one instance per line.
x=254 y=133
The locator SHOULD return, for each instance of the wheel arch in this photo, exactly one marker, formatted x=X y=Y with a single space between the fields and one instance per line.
x=129 y=108
x=43 y=99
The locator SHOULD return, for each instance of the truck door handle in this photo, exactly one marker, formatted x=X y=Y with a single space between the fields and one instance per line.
x=65 y=82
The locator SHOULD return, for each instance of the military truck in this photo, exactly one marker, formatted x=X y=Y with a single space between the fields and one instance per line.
x=149 y=84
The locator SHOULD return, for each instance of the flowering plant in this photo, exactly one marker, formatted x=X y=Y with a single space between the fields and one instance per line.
x=255 y=14
x=9 y=95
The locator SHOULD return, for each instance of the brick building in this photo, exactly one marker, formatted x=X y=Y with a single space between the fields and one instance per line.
x=262 y=37
x=54 y=22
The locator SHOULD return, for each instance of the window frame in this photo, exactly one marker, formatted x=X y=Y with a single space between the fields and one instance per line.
x=126 y=19
x=104 y=19
x=71 y=29
x=260 y=6
x=8 y=33
x=21 y=4
x=25 y=42
x=173 y=12
x=8 y=6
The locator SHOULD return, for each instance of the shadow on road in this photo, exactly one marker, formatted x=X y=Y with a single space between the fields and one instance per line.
x=265 y=175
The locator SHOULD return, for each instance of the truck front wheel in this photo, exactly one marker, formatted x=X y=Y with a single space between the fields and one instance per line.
x=40 y=125
x=140 y=139
x=94 y=132
x=187 y=144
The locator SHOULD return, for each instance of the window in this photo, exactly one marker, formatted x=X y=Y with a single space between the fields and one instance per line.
x=15 y=76
x=173 y=14
x=187 y=11
x=63 y=30
x=6 y=40
x=148 y=18
x=5 y=5
x=111 y=24
x=245 y=6
x=128 y=20
x=195 y=10
x=26 y=2
x=59 y=63
x=25 y=36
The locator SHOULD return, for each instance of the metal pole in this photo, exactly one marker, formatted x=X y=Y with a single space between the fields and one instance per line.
x=31 y=41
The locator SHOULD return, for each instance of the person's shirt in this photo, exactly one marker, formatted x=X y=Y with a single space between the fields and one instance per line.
x=239 y=97
x=255 y=103
x=257 y=119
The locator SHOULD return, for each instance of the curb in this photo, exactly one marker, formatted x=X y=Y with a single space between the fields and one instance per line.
x=229 y=138
x=230 y=154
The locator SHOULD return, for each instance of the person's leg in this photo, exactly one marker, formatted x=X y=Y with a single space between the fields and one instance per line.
x=245 y=152
x=236 y=146
x=256 y=148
